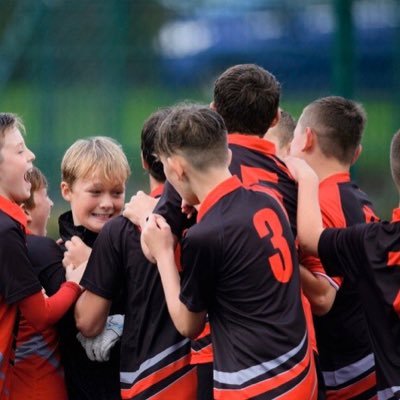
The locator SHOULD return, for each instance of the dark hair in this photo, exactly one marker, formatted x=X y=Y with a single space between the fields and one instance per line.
x=247 y=97
x=395 y=159
x=196 y=132
x=38 y=181
x=148 y=136
x=339 y=125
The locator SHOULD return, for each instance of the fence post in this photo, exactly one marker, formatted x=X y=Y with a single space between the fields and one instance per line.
x=343 y=66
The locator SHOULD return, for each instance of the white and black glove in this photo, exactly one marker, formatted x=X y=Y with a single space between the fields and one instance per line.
x=98 y=348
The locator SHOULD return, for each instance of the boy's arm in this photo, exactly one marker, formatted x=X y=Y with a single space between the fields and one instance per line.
x=42 y=312
x=158 y=237
x=318 y=291
x=91 y=312
x=309 y=220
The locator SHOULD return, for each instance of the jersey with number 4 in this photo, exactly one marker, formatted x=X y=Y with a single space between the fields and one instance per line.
x=239 y=264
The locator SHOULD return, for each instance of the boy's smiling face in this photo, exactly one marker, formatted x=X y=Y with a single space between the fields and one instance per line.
x=15 y=161
x=94 y=201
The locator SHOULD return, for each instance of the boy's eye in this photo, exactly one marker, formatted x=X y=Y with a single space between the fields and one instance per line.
x=95 y=192
x=117 y=194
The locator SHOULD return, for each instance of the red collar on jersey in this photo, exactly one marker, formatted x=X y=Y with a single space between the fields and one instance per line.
x=221 y=190
x=252 y=142
x=336 y=178
x=396 y=215
x=157 y=191
x=13 y=210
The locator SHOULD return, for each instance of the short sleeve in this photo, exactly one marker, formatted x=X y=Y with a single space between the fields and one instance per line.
x=103 y=272
x=46 y=258
x=342 y=250
x=200 y=260
x=17 y=278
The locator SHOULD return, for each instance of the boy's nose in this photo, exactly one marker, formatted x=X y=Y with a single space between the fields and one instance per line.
x=106 y=201
x=31 y=156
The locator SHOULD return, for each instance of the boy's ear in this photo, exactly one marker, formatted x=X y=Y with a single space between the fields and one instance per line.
x=357 y=154
x=27 y=213
x=65 y=191
x=276 y=118
x=212 y=106
x=310 y=139
x=229 y=156
x=145 y=166
x=176 y=166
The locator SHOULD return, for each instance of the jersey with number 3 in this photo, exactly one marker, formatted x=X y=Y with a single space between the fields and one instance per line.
x=239 y=264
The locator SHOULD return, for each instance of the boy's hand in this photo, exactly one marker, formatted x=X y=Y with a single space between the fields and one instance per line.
x=77 y=252
x=158 y=237
x=188 y=209
x=299 y=169
x=98 y=348
x=74 y=274
x=139 y=208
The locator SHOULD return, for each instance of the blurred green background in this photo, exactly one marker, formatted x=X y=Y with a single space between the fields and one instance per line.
x=76 y=68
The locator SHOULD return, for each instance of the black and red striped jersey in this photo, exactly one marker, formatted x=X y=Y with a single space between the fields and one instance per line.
x=255 y=162
x=155 y=359
x=240 y=264
x=368 y=255
x=17 y=281
x=344 y=346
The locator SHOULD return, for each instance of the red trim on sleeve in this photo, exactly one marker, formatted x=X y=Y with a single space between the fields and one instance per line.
x=42 y=312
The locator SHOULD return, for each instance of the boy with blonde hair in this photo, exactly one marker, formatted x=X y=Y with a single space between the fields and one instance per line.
x=94 y=172
x=19 y=286
x=155 y=358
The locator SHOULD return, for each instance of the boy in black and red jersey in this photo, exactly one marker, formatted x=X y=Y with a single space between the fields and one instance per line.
x=19 y=286
x=239 y=265
x=155 y=358
x=328 y=137
x=368 y=255
x=247 y=97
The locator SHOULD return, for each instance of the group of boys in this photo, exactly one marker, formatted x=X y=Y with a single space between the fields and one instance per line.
x=226 y=311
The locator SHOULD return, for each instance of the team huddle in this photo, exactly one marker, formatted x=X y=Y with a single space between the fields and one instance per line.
x=254 y=269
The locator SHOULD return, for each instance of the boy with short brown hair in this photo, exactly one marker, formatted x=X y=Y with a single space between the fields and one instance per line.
x=239 y=266
x=328 y=136
x=368 y=255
